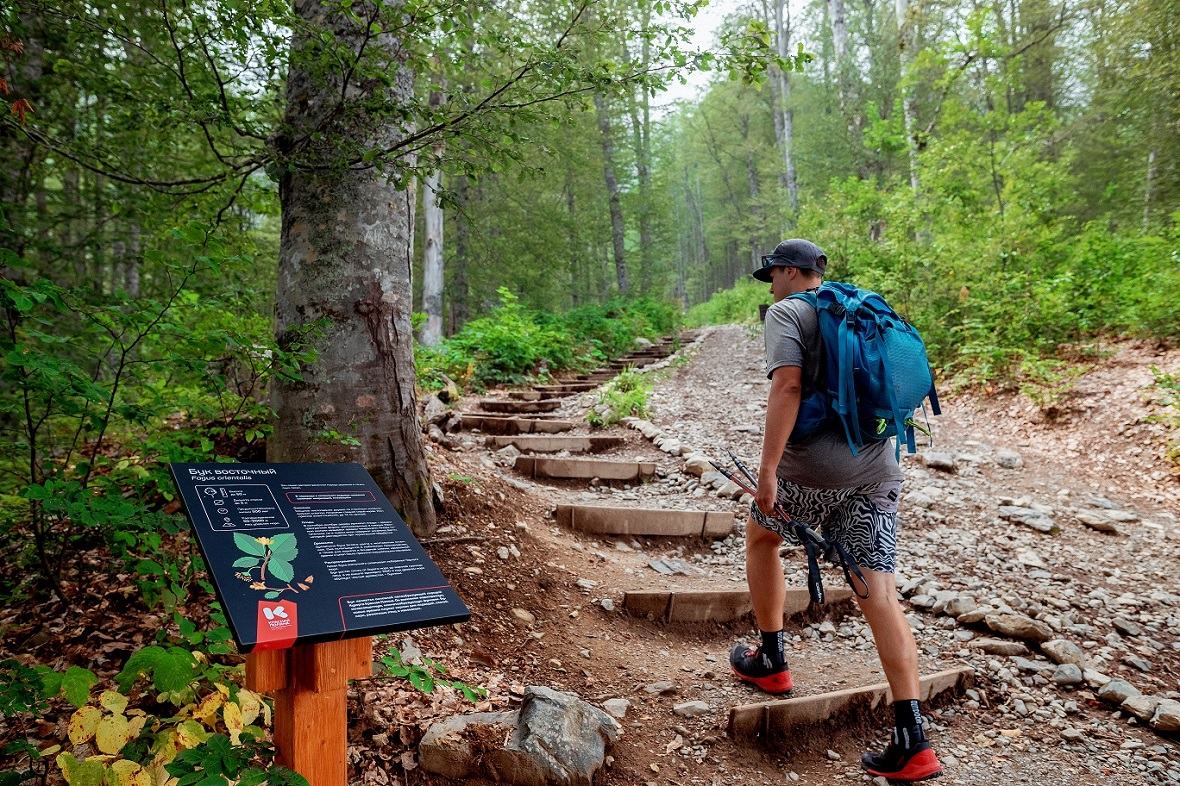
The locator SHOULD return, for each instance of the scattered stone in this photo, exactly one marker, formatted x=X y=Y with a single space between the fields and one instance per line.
x=1095 y=520
x=698 y=464
x=1122 y=515
x=554 y=739
x=607 y=604
x=1028 y=517
x=1095 y=679
x=1139 y=663
x=1126 y=627
x=1018 y=626
x=973 y=616
x=1000 y=647
x=663 y=688
x=435 y=411
x=527 y=617
x=1117 y=691
x=834 y=755
x=960 y=605
x=1070 y=734
x=1067 y=674
x=1063 y=651
x=1142 y=707
x=943 y=462
x=1008 y=459
x=617 y=707
x=1167 y=716
x=691 y=709
x=1031 y=559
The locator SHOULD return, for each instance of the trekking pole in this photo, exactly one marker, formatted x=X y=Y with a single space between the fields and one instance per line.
x=813 y=543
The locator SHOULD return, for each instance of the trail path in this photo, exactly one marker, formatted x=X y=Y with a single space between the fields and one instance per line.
x=547 y=601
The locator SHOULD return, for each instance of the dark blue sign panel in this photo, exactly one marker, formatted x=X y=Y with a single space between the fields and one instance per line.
x=310 y=552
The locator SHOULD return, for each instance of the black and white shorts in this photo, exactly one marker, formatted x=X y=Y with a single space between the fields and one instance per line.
x=862 y=519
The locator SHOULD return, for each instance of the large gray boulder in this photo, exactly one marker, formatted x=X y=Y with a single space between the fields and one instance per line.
x=1018 y=626
x=1064 y=651
x=553 y=739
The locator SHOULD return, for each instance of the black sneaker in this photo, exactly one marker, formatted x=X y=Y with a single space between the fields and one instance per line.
x=898 y=763
x=751 y=666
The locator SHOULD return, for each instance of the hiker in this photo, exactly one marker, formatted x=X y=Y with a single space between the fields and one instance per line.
x=852 y=497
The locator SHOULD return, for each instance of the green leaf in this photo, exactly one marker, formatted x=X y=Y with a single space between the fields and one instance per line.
x=272 y=595
x=249 y=545
x=280 y=569
x=247 y=562
x=77 y=683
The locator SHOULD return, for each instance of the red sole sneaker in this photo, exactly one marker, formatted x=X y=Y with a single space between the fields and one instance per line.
x=922 y=766
x=779 y=682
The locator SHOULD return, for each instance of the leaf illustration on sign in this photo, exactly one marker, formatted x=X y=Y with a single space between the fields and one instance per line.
x=269 y=558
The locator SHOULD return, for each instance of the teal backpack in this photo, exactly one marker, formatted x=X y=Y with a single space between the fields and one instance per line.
x=875 y=367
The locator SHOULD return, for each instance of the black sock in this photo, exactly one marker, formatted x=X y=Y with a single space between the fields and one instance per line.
x=907 y=723
x=772 y=647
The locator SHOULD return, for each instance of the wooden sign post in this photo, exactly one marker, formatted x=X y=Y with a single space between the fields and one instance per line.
x=309 y=562
x=311 y=703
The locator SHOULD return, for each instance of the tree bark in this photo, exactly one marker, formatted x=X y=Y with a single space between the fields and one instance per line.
x=345 y=258
x=1147 y=189
x=618 y=231
x=782 y=25
x=460 y=311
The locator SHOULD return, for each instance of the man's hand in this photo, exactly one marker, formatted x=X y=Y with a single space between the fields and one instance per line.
x=766 y=494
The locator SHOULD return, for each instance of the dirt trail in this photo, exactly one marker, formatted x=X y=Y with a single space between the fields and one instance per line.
x=540 y=594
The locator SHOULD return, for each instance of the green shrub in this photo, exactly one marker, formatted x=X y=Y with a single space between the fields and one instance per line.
x=624 y=396
x=738 y=305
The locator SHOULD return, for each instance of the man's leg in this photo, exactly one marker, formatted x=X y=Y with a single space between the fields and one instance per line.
x=764 y=575
x=765 y=665
x=891 y=632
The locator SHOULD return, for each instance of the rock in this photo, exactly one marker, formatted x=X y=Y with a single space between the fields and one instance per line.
x=1067 y=674
x=1070 y=734
x=554 y=739
x=1018 y=626
x=833 y=755
x=663 y=688
x=617 y=708
x=698 y=464
x=1139 y=663
x=944 y=462
x=508 y=453
x=922 y=601
x=450 y=393
x=1008 y=459
x=1031 y=559
x=729 y=489
x=960 y=605
x=918 y=500
x=1033 y=519
x=1126 y=627
x=1000 y=647
x=1167 y=716
x=1063 y=651
x=974 y=615
x=1095 y=520
x=1117 y=691
x=435 y=411
x=713 y=478
x=1095 y=679
x=691 y=709
x=526 y=617
x=671 y=446
x=1122 y=515
x=1142 y=707
x=642 y=343
x=436 y=434
x=607 y=604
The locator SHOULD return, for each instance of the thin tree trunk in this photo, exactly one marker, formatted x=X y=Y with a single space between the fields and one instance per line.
x=907 y=38
x=577 y=273
x=460 y=311
x=838 y=20
x=782 y=24
x=618 y=230
x=432 y=246
x=1148 y=188
x=345 y=257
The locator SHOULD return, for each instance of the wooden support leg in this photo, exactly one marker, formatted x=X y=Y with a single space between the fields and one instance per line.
x=311 y=708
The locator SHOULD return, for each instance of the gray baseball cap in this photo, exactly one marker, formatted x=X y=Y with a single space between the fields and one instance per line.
x=795 y=252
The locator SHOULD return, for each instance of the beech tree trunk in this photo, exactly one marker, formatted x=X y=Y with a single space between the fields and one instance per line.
x=345 y=258
x=612 y=188
x=432 y=247
x=907 y=43
x=782 y=26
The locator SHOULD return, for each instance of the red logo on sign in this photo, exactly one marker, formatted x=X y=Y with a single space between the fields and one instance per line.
x=278 y=625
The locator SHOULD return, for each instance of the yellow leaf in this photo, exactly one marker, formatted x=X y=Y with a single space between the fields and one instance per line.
x=135 y=726
x=250 y=704
x=81 y=773
x=113 y=702
x=83 y=723
x=207 y=712
x=266 y=714
x=222 y=689
x=160 y=776
x=190 y=734
x=125 y=772
x=52 y=749
x=111 y=734
x=164 y=748
x=232 y=715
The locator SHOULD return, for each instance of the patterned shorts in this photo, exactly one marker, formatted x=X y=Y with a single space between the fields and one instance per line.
x=862 y=519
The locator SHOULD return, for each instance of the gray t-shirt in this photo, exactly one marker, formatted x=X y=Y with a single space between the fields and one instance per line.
x=824 y=461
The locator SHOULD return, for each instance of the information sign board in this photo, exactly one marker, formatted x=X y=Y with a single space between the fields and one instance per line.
x=301 y=553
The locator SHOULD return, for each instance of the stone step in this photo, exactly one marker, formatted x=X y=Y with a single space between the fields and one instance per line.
x=583 y=469
x=555 y=444
x=779 y=721
x=501 y=425
x=533 y=395
x=717 y=605
x=518 y=407
x=646 y=521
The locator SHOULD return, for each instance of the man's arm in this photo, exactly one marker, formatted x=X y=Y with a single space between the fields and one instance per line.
x=782 y=407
